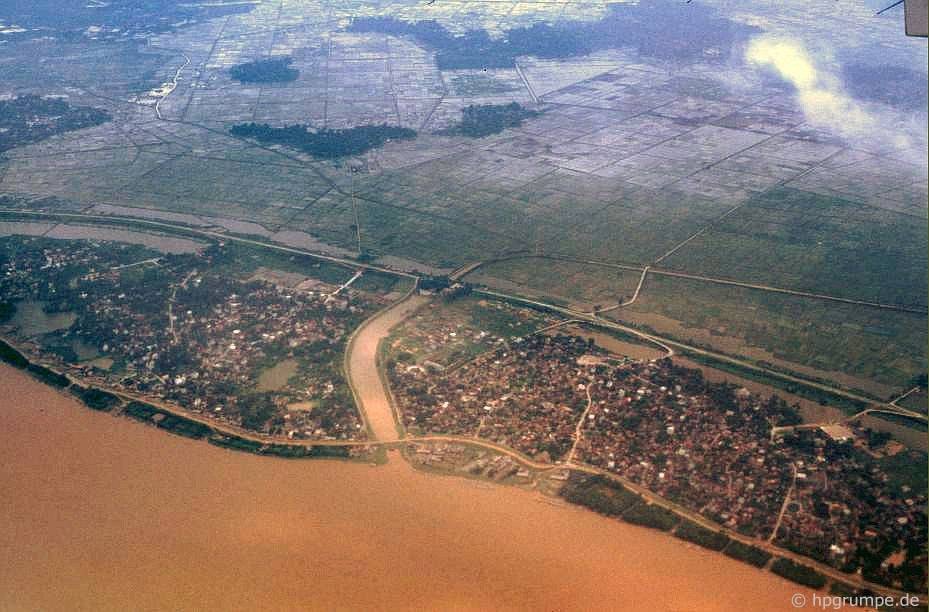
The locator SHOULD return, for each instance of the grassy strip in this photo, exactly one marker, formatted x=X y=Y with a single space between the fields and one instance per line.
x=285 y=451
x=701 y=536
x=235 y=443
x=747 y=553
x=847 y=405
x=290 y=451
x=851 y=406
x=47 y=376
x=11 y=356
x=169 y=422
x=98 y=399
x=265 y=250
x=608 y=497
x=619 y=335
x=900 y=419
x=800 y=574
x=148 y=226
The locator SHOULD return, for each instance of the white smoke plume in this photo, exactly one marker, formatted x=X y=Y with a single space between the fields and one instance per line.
x=826 y=104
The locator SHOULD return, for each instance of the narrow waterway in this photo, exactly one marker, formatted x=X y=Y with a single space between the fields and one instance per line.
x=103 y=513
x=363 y=369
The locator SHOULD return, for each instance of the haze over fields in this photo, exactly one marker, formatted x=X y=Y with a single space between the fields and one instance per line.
x=687 y=138
x=667 y=260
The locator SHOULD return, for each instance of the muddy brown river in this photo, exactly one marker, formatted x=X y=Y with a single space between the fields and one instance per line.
x=101 y=513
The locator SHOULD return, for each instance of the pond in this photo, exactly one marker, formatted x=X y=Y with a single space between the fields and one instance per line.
x=31 y=320
x=275 y=378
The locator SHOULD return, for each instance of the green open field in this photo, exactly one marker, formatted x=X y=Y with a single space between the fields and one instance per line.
x=879 y=351
x=628 y=158
x=809 y=242
x=916 y=401
x=447 y=333
x=563 y=282
x=518 y=203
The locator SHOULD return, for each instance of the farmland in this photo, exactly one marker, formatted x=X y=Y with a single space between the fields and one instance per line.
x=627 y=154
x=581 y=285
x=879 y=351
x=643 y=266
x=617 y=160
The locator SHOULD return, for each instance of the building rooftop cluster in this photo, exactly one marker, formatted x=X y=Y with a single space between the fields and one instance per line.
x=447 y=333
x=706 y=446
x=527 y=395
x=843 y=509
x=178 y=333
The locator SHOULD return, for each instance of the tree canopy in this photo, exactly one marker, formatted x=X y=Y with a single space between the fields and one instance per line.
x=325 y=143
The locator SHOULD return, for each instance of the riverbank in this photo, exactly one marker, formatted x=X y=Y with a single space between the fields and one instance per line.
x=656 y=513
x=104 y=514
x=363 y=371
x=178 y=421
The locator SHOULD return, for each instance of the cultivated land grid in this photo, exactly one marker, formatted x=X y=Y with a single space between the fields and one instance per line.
x=632 y=161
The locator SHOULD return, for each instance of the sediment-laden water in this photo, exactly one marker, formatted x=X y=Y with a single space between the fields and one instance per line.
x=102 y=513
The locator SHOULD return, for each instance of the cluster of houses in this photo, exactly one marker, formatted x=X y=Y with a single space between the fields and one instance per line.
x=706 y=446
x=174 y=331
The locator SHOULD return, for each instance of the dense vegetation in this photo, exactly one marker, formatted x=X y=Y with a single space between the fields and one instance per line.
x=235 y=443
x=747 y=553
x=609 y=497
x=11 y=356
x=272 y=70
x=479 y=120
x=815 y=394
x=476 y=49
x=650 y=515
x=169 y=422
x=800 y=574
x=256 y=409
x=645 y=26
x=7 y=311
x=121 y=19
x=28 y=119
x=702 y=536
x=598 y=493
x=47 y=376
x=325 y=143
x=286 y=451
x=96 y=399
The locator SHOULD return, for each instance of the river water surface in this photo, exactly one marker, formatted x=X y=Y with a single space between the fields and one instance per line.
x=101 y=513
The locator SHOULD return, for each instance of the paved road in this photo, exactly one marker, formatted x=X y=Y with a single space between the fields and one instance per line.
x=373 y=397
x=579 y=429
x=664 y=343
x=804 y=294
x=668 y=343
